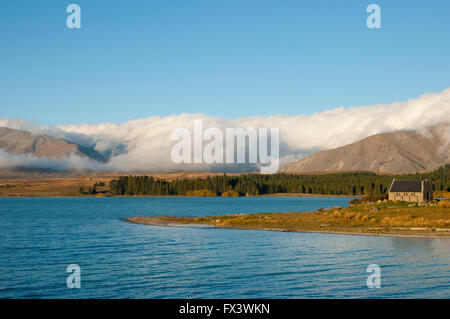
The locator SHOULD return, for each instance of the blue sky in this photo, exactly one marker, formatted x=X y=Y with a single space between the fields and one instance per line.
x=234 y=58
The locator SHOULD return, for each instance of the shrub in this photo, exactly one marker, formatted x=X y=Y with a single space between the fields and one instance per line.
x=336 y=214
x=368 y=199
x=442 y=194
x=349 y=215
x=356 y=201
x=201 y=193
x=230 y=194
x=444 y=204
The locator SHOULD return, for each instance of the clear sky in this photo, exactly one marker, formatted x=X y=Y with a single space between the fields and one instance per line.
x=229 y=58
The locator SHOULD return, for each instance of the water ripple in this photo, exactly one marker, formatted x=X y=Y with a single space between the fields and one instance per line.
x=39 y=237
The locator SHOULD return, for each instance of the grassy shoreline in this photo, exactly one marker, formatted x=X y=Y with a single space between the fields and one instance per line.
x=382 y=219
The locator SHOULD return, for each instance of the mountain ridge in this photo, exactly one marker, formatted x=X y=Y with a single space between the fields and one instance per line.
x=401 y=151
x=20 y=142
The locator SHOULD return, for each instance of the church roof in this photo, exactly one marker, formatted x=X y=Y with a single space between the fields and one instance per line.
x=406 y=186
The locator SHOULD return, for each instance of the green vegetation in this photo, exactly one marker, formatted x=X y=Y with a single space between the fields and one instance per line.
x=358 y=183
x=91 y=190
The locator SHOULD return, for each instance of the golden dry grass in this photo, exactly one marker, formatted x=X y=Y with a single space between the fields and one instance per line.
x=385 y=218
x=444 y=204
x=68 y=186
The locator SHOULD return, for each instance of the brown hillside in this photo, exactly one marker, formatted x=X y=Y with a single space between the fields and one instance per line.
x=397 y=152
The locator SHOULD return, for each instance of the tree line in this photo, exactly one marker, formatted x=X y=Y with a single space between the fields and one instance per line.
x=91 y=190
x=352 y=183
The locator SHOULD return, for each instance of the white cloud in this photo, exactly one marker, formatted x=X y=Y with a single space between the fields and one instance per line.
x=73 y=162
x=145 y=144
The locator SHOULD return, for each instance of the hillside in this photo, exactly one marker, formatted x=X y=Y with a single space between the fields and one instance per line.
x=21 y=142
x=396 y=152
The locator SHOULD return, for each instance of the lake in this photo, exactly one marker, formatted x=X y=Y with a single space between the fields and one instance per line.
x=40 y=237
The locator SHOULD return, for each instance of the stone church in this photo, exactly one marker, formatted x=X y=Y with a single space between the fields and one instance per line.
x=411 y=191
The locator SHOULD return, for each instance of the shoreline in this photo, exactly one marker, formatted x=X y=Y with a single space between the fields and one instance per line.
x=428 y=235
x=375 y=219
x=143 y=196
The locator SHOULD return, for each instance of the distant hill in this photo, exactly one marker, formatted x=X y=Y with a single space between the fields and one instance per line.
x=396 y=152
x=21 y=142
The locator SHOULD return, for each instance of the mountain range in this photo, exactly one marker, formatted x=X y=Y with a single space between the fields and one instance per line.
x=20 y=142
x=392 y=152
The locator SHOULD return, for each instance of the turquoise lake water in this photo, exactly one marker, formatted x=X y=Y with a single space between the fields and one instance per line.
x=40 y=237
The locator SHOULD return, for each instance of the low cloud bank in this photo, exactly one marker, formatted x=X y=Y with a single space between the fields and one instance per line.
x=73 y=162
x=145 y=144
